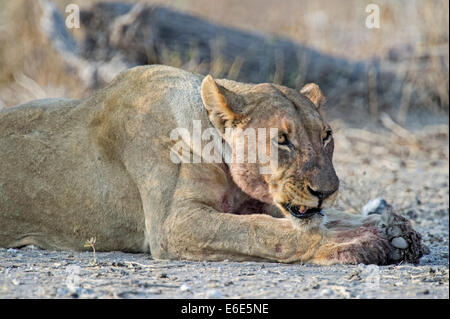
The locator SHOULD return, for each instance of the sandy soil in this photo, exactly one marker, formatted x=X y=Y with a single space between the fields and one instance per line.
x=409 y=169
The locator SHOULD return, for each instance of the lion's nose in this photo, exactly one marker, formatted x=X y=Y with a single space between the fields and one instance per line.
x=320 y=194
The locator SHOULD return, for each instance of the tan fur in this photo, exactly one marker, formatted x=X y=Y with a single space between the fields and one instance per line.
x=71 y=170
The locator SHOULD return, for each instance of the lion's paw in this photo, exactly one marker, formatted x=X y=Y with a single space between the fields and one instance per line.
x=406 y=243
x=366 y=245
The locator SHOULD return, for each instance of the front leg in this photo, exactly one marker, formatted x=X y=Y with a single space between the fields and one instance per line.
x=197 y=228
x=405 y=243
x=340 y=220
x=367 y=245
x=198 y=232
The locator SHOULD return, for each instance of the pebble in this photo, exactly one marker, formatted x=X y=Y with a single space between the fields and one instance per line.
x=62 y=291
x=399 y=242
x=213 y=294
x=31 y=247
x=375 y=206
x=326 y=292
x=185 y=288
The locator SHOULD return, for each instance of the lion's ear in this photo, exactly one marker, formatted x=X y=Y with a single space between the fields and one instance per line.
x=221 y=104
x=314 y=94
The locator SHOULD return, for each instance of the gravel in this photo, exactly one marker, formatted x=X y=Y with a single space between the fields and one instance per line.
x=32 y=273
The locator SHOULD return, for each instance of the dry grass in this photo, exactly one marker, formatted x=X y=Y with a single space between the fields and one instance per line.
x=29 y=69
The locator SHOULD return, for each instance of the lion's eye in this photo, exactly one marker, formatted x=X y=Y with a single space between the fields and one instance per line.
x=327 y=137
x=283 y=140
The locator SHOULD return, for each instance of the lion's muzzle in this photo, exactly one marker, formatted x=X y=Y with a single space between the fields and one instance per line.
x=302 y=212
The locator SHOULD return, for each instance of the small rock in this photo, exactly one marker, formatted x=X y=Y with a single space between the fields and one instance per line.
x=75 y=292
x=84 y=292
x=355 y=275
x=118 y=264
x=62 y=291
x=411 y=214
x=185 y=288
x=31 y=247
x=399 y=242
x=326 y=292
x=213 y=294
x=426 y=292
x=375 y=206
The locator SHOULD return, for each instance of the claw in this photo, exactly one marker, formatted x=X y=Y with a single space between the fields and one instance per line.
x=405 y=242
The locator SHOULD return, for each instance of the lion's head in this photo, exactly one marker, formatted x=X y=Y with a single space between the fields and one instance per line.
x=303 y=181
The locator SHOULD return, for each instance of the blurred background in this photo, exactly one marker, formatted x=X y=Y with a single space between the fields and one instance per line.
x=400 y=68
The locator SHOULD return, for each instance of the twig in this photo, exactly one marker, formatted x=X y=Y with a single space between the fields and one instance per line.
x=91 y=243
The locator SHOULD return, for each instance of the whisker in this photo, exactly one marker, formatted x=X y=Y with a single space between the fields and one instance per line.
x=294 y=189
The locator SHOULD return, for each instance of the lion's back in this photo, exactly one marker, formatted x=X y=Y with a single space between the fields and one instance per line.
x=26 y=117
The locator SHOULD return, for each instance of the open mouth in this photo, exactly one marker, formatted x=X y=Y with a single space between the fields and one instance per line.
x=301 y=211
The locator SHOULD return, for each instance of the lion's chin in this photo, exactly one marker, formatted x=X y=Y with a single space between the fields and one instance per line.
x=302 y=212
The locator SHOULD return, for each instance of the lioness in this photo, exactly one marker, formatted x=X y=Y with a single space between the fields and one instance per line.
x=75 y=169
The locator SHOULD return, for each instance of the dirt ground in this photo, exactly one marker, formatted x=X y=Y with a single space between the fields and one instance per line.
x=408 y=168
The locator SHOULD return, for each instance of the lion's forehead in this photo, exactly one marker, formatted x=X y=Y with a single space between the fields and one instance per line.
x=295 y=122
x=271 y=105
